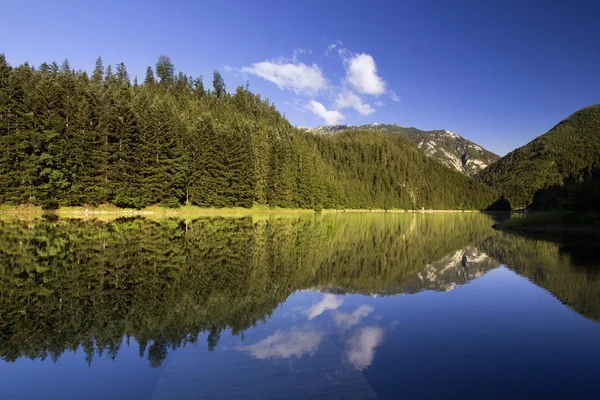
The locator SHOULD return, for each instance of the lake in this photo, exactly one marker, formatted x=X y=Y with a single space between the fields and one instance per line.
x=333 y=306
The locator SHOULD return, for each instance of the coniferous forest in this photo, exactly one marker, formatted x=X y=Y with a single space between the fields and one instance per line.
x=72 y=138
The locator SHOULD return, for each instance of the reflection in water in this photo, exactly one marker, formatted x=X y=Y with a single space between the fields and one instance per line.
x=345 y=321
x=294 y=343
x=361 y=346
x=305 y=340
x=329 y=302
x=554 y=263
x=66 y=284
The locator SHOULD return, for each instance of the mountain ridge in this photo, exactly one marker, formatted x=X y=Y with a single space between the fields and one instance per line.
x=443 y=145
x=566 y=154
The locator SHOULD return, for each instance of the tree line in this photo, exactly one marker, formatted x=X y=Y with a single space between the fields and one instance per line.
x=72 y=138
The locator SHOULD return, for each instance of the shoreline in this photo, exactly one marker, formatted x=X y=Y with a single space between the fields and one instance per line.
x=552 y=222
x=107 y=210
x=549 y=228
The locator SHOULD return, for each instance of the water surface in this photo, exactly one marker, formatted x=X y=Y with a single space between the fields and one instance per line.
x=359 y=306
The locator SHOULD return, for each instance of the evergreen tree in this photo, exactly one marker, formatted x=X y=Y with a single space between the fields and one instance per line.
x=109 y=74
x=165 y=70
x=65 y=67
x=218 y=84
x=199 y=87
x=122 y=75
x=98 y=74
x=149 y=80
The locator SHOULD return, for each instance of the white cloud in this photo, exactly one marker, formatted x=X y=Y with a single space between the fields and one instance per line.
x=294 y=343
x=394 y=96
x=296 y=76
x=351 y=100
x=361 y=346
x=330 y=48
x=346 y=321
x=329 y=302
x=362 y=74
x=379 y=104
x=299 y=51
x=331 y=117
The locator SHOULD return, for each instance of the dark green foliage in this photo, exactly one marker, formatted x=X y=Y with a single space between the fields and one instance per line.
x=149 y=80
x=567 y=154
x=502 y=204
x=165 y=70
x=122 y=74
x=76 y=140
x=583 y=196
x=98 y=73
x=218 y=84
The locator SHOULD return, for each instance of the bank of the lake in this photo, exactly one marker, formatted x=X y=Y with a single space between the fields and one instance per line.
x=107 y=209
x=552 y=221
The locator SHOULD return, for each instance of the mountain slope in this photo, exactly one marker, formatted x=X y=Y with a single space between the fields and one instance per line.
x=447 y=147
x=567 y=153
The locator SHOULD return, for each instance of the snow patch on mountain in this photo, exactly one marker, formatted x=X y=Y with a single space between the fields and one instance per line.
x=451 y=134
x=445 y=146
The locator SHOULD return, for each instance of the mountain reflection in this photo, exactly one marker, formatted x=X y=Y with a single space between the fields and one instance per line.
x=69 y=284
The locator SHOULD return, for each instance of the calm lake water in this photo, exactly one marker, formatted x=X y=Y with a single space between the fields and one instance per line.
x=350 y=306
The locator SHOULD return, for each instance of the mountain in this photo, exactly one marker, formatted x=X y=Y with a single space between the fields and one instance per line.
x=566 y=154
x=445 y=146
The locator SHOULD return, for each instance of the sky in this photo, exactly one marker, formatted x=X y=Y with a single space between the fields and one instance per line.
x=498 y=73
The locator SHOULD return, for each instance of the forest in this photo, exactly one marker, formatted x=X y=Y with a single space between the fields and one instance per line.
x=69 y=138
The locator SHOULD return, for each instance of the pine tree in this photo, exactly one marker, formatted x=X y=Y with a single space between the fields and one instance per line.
x=218 y=84
x=109 y=74
x=98 y=74
x=65 y=67
x=149 y=80
x=165 y=70
x=199 y=87
x=122 y=75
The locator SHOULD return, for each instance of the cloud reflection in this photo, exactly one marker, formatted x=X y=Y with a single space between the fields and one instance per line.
x=329 y=302
x=281 y=344
x=346 y=321
x=361 y=346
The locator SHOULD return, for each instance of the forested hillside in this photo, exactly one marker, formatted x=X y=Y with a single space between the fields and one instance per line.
x=447 y=147
x=69 y=138
x=567 y=154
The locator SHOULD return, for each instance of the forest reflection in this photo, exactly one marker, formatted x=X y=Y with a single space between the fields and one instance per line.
x=67 y=284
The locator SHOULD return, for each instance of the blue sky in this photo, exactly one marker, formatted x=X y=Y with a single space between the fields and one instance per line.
x=496 y=72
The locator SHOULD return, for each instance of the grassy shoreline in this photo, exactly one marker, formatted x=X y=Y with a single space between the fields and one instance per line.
x=192 y=210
